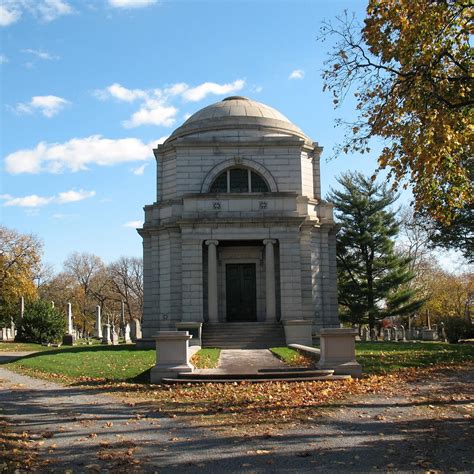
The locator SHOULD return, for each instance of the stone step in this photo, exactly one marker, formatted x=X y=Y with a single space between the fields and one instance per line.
x=270 y=374
x=326 y=378
x=243 y=335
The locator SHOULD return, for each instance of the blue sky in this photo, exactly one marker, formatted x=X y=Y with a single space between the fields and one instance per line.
x=89 y=87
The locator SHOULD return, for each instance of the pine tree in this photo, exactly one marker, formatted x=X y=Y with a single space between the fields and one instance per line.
x=372 y=277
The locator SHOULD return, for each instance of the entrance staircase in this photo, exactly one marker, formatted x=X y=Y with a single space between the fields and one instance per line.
x=243 y=335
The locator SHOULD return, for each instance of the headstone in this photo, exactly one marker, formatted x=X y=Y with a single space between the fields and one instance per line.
x=69 y=318
x=135 y=330
x=386 y=334
x=106 y=339
x=69 y=338
x=364 y=334
x=402 y=330
x=394 y=334
x=98 y=323
x=122 y=319
x=127 y=334
x=443 y=333
x=373 y=335
x=115 y=338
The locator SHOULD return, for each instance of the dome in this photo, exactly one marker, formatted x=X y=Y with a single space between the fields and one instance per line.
x=237 y=113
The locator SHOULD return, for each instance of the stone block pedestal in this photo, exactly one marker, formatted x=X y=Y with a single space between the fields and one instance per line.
x=172 y=355
x=194 y=329
x=338 y=351
x=298 y=332
x=69 y=340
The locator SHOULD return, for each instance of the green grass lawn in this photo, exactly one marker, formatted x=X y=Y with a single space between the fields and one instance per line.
x=206 y=358
x=387 y=357
x=290 y=356
x=115 y=363
x=23 y=347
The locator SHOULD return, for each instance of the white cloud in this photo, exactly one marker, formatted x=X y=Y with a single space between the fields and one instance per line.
x=200 y=92
x=27 y=201
x=40 y=54
x=74 y=196
x=34 y=200
x=3 y=59
x=45 y=10
x=296 y=74
x=155 y=107
x=48 y=105
x=152 y=113
x=139 y=170
x=133 y=224
x=77 y=154
x=131 y=3
x=9 y=13
x=120 y=93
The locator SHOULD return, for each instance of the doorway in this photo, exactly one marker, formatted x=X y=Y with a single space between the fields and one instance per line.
x=241 y=292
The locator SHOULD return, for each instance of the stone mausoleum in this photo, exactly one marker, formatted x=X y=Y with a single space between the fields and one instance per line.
x=238 y=235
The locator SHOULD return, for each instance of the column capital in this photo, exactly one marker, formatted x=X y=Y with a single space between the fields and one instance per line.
x=211 y=242
x=269 y=241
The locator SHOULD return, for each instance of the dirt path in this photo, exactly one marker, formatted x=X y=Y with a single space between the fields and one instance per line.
x=428 y=427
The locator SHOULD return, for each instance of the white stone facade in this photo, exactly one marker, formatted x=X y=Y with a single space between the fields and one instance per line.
x=279 y=243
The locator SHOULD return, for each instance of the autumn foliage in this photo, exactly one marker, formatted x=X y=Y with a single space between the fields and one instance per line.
x=410 y=69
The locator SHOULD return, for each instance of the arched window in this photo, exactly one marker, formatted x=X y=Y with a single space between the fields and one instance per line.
x=239 y=180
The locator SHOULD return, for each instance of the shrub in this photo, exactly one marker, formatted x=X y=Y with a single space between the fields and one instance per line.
x=456 y=328
x=41 y=323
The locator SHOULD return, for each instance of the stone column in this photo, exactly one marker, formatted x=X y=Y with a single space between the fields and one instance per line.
x=270 y=279
x=98 y=323
x=212 y=279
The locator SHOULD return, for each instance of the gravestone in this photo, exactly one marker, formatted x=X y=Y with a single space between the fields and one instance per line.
x=115 y=338
x=373 y=335
x=386 y=334
x=69 y=338
x=442 y=334
x=98 y=323
x=365 y=334
x=135 y=330
x=106 y=334
x=402 y=329
x=395 y=334
x=122 y=320
x=127 y=334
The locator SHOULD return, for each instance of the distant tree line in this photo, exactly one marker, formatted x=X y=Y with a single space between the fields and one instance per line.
x=85 y=281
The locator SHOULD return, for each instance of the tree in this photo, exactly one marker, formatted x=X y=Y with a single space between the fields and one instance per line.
x=41 y=323
x=126 y=275
x=458 y=234
x=20 y=258
x=411 y=68
x=92 y=286
x=372 y=278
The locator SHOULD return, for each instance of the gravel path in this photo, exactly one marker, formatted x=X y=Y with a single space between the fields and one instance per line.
x=83 y=431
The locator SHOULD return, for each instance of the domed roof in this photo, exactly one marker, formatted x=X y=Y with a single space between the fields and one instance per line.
x=239 y=113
